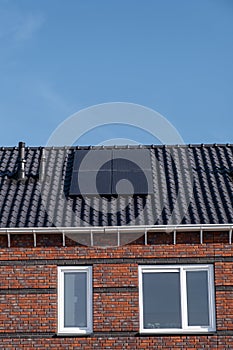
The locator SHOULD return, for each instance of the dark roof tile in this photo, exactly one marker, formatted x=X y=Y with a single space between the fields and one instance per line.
x=191 y=184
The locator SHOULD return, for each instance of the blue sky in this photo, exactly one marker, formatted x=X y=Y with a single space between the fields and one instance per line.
x=58 y=57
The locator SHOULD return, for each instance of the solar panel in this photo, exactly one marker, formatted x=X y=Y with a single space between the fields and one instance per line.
x=131 y=159
x=132 y=182
x=107 y=172
x=92 y=159
x=132 y=173
x=90 y=183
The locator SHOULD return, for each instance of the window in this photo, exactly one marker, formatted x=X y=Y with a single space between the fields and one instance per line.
x=176 y=299
x=75 y=300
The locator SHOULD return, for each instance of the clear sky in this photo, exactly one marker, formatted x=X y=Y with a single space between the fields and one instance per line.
x=58 y=57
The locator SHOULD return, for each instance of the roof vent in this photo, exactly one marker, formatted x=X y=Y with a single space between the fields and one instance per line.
x=22 y=162
x=42 y=165
x=20 y=173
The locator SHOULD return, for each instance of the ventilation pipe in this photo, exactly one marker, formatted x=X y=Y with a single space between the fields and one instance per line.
x=42 y=165
x=22 y=161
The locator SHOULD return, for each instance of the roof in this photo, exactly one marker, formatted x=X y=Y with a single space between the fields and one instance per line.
x=191 y=185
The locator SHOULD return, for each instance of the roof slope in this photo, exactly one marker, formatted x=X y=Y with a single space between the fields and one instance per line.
x=192 y=185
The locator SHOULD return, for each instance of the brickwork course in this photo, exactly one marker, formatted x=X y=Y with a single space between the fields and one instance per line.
x=28 y=295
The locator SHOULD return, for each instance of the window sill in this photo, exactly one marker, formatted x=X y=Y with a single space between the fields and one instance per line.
x=177 y=331
x=74 y=334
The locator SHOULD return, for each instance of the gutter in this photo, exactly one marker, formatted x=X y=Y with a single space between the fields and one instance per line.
x=143 y=229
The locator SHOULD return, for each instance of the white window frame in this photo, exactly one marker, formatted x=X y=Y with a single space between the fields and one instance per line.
x=74 y=330
x=184 y=316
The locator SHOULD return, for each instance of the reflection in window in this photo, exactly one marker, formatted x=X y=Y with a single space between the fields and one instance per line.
x=75 y=299
x=161 y=300
x=197 y=298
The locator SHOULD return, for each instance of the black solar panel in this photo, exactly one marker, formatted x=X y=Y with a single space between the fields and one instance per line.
x=131 y=171
x=90 y=183
x=122 y=164
x=92 y=160
x=131 y=159
x=132 y=182
x=107 y=172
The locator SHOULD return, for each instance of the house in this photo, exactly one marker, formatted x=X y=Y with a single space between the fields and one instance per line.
x=116 y=247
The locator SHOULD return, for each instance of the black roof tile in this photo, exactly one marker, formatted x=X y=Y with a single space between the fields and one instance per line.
x=191 y=185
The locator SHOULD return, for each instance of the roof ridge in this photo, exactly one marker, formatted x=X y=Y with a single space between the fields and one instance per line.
x=139 y=146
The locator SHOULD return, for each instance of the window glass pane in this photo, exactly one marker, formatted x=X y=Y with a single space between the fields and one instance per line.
x=161 y=300
x=75 y=299
x=197 y=296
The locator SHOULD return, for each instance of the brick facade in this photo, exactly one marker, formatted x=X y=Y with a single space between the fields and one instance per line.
x=28 y=291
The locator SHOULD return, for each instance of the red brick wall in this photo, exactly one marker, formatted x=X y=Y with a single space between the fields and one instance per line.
x=28 y=291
